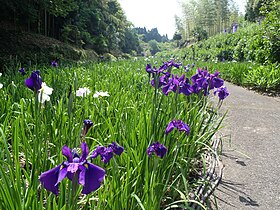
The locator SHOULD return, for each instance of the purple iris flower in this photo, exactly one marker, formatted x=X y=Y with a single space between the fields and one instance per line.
x=203 y=80
x=157 y=148
x=203 y=72
x=177 y=65
x=196 y=88
x=117 y=149
x=187 y=67
x=173 y=84
x=87 y=125
x=203 y=83
x=222 y=92
x=163 y=80
x=194 y=78
x=34 y=82
x=164 y=67
x=215 y=81
x=172 y=63
x=89 y=175
x=234 y=27
x=176 y=83
x=186 y=88
x=22 y=71
x=197 y=82
x=106 y=153
x=199 y=75
x=54 y=63
x=150 y=69
x=179 y=124
x=156 y=71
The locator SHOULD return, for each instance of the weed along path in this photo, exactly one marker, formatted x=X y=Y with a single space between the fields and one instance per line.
x=251 y=152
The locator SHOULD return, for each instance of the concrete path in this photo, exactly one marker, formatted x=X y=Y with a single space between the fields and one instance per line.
x=251 y=152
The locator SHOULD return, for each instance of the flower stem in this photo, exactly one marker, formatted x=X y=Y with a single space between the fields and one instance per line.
x=74 y=190
x=155 y=104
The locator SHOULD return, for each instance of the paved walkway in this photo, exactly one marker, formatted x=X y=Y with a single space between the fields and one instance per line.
x=251 y=152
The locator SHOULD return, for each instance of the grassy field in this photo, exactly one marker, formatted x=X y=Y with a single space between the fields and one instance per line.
x=134 y=114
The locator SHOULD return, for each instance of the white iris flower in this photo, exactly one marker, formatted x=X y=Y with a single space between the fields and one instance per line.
x=44 y=93
x=83 y=92
x=100 y=94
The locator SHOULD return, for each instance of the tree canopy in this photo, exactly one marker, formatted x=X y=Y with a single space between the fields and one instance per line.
x=95 y=24
x=202 y=18
x=152 y=34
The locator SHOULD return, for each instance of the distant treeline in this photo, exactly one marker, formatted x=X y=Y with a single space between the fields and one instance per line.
x=153 y=34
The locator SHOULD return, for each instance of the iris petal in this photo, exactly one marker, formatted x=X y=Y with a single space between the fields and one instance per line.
x=29 y=83
x=73 y=167
x=218 y=82
x=49 y=179
x=85 y=151
x=66 y=151
x=82 y=175
x=170 y=127
x=117 y=149
x=157 y=148
x=62 y=175
x=94 y=175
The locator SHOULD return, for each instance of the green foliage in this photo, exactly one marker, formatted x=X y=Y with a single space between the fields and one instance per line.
x=264 y=77
x=94 y=24
x=71 y=34
x=61 y=8
x=177 y=37
x=134 y=115
x=257 y=9
x=253 y=10
x=131 y=42
x=251 y=42
x=153 y=47
x=31 y=49
x=199 y=33
x=213 y=16
x=153 y=34
x=271 y=30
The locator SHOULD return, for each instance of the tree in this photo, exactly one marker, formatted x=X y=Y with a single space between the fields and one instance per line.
x=152 y=34
x=211 y=15
x=131 y=42
x=153 y=47
x=177 y=37
x=199 y=33
x=96 y=24
x=253 y=9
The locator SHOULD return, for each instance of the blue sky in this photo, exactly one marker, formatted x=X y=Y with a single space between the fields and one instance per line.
x=157 y=13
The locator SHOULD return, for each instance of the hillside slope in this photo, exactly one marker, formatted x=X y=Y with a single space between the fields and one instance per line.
x=29 y=48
